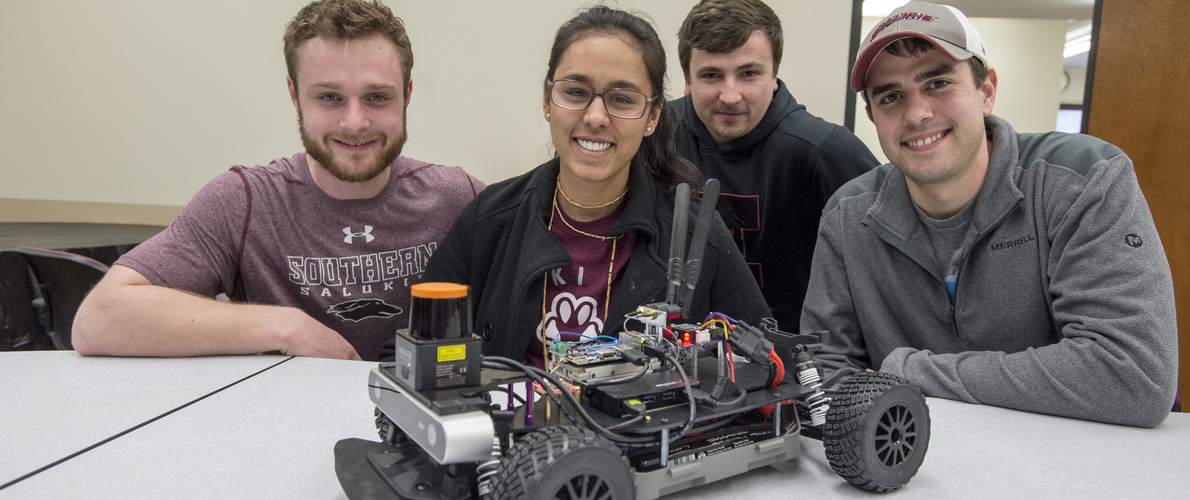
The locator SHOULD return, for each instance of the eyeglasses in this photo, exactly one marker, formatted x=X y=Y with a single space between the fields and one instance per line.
x=620 y=103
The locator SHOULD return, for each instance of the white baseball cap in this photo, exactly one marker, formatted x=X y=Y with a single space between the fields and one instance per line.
x=942 y=25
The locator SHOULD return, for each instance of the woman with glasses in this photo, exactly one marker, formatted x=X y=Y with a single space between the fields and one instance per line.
x=572 y=246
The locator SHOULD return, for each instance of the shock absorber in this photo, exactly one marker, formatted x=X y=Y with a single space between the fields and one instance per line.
x=488 y=469
x=808 y=374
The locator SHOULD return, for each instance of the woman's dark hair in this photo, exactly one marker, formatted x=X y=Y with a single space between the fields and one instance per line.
x=658 y=153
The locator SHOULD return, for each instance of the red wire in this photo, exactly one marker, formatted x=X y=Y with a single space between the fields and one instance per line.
x=780 y=367
x=768 y=409
x=731 y=362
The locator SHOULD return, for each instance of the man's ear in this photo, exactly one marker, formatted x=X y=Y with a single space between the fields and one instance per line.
x=988 y=89
x=292 y=90
x=408 y=93
x=868 y=110
x=686 y=91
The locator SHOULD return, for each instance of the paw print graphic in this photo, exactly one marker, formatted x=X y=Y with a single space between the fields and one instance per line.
x=575 y=317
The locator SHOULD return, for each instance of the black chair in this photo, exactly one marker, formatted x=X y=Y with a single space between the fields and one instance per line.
x=65 y=278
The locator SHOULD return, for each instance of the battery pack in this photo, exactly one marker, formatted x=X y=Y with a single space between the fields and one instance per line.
x=655 y=390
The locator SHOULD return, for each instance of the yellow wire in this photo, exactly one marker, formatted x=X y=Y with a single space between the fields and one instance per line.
x=720 y=321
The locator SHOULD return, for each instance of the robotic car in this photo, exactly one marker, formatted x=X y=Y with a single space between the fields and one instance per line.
x=664 y=407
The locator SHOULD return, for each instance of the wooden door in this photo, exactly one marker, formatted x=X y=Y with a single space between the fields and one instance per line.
x=1140 y=101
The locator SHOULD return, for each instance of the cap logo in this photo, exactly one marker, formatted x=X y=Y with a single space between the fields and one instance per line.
x=914 y=16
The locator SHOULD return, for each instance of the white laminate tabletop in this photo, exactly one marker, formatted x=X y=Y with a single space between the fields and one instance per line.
x=273 y=435
x=980 y=451
x=56 y=403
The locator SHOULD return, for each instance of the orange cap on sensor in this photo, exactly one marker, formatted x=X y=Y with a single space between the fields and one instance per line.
x=438 y=290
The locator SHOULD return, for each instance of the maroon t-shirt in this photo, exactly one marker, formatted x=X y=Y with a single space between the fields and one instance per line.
x=576 y=297
x=269 y=235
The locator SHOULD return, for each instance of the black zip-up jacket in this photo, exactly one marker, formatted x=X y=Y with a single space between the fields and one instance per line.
x=501 y=247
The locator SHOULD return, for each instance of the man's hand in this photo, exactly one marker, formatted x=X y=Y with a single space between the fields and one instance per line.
x=301 y=335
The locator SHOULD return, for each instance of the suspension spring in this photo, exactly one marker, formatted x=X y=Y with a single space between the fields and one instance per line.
x=488 y=469
x=808 y=374
x=817 y=402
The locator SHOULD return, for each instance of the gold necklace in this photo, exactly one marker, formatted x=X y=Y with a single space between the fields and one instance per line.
x=589 y=207
x=580 y=231
x=611 y=266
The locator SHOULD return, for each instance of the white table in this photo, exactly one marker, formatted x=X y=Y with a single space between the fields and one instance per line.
x=986 y=452
x=56 y=403
x=272 y=436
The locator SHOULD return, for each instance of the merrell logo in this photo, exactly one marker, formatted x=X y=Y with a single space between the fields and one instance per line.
x=367 y=235
x=1012 y=243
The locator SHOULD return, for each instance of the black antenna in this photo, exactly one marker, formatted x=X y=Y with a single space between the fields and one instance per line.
x=698 y=243
x=677 y=243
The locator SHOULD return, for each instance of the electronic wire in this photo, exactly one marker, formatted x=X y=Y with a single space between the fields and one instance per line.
x=536 y=376
x=644 y=370
x=532 y=370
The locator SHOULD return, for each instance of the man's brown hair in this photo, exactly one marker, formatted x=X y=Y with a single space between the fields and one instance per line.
x=721 y=26
x=346 y=19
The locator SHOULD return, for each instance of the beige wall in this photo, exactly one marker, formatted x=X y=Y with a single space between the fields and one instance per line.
x=1027 y=56
x=141 y=102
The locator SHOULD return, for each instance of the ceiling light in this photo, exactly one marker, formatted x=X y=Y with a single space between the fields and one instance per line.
x=1077 y=47
x=1078 y=39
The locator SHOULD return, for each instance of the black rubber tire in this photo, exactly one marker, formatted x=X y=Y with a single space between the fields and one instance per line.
x=387 y=430
x=563 y=463
x=877 y=431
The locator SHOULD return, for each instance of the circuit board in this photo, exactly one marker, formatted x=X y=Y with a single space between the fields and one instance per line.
x=590 y=353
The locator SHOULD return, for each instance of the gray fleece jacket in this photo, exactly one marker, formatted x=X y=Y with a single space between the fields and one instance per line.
x=1064 y=302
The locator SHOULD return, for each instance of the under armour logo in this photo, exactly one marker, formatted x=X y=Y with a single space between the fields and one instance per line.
x=367 y=234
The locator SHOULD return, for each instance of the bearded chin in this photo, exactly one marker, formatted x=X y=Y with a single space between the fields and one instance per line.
x=320 y=152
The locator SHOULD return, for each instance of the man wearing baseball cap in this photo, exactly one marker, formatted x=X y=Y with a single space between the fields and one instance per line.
x=983 y=265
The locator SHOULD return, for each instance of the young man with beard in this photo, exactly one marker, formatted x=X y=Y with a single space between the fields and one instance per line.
x=316 y=251
x=987 y=266
x=778 y=164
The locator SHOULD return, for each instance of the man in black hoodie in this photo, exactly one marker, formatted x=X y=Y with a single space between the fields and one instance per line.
x=778 y=164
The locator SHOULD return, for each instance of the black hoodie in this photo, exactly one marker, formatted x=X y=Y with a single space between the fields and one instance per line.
x=775 y=181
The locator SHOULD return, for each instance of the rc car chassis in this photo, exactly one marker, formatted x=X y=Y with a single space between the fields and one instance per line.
x=664 y=407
